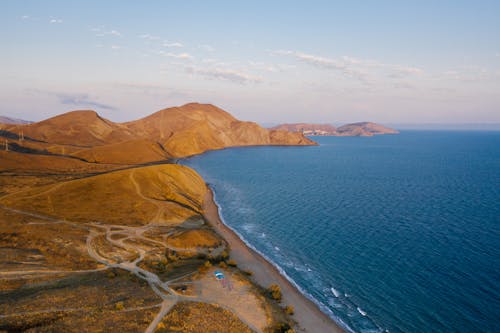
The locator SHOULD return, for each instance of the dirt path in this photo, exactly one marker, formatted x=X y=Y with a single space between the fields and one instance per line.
x=136 y=250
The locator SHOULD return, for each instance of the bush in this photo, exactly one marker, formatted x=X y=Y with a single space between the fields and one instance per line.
x=283 y=328
x=207 y=264
x=247 y=272
x=289 y=310
x=119 y=306
x=224 y=255
x=275 y=292
x=232 y=263
x=222 y=264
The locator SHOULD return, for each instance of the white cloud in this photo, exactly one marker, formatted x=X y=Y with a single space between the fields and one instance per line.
x=361 y=69
x=115 y=47
x=25 y=17
x=56 y=21
x=207 y=48
x=224 y=74
x=149 y=37
x=174 y=44
x=100 y=32
x=184 y=56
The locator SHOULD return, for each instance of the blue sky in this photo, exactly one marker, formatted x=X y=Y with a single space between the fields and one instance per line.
x=279 y=61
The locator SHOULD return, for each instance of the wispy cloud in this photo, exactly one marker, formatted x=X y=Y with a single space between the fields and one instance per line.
x=82 y=100
x=115 y=47
x=173 y=44
x=55 y=21
x=183 y=56
x=149 y=37
x=25 y=17
x=101 y=32
x=207 y=48
x=361 y=69
x=224 y=74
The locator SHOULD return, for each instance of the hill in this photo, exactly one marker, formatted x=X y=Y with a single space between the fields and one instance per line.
x=308 y=129
x=364 y=129
x=169 y=133
x=194 y=128
x=79 y=128
x=354 y=129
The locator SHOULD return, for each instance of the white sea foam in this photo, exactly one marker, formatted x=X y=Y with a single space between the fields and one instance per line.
x=322 y=306
x=276 y=248
x=361 y=311
x=335 y=292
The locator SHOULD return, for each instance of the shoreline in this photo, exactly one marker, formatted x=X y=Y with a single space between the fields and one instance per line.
x=308 y=315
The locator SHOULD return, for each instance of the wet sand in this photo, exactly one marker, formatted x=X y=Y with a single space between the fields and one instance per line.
x=309 y=317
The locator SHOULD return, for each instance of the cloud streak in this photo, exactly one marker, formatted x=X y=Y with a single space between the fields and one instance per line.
x=174 y=44
x=100 y=32
x=82 y=100
x=224 y=74
x=361 y=69
x=182 y=56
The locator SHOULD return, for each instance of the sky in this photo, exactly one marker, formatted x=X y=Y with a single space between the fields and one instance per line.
x=265 y=61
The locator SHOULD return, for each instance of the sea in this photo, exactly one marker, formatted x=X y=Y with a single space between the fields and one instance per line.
x=391 y=233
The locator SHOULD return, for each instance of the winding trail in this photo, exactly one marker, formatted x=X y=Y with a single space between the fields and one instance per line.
x=134 y=244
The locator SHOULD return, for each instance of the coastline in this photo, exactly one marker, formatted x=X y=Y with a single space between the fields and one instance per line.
x=307 y=314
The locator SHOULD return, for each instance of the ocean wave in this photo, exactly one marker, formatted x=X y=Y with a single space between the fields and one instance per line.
x=363 y=313
x=335 y=292
x=322 y=306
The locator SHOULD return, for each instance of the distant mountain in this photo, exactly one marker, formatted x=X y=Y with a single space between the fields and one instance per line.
x=169 y=133
x=308 y=129
x=8 y=120
x=354 y=129
x=364 y=129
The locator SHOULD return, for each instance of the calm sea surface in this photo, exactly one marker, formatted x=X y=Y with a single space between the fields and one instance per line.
x=389 y=233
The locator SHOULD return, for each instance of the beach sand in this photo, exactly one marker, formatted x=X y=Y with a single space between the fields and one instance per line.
x=309 y=317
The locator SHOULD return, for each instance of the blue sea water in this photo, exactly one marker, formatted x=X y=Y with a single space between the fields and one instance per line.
x=397 y=233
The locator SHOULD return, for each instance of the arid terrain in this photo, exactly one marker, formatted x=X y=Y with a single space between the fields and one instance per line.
x=100 y=231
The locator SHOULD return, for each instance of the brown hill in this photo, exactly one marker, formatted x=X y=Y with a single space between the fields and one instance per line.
x=364 y=129
x=194 y=128
x=301 y=127
x=173 y=132
x=160 y=193
x=80 y=128
x=128 y=152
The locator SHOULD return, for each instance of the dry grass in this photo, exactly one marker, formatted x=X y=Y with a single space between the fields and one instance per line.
x=115 y=198
x=50 y=245
x=195 y=317
x=79 y=301
x=195 y=238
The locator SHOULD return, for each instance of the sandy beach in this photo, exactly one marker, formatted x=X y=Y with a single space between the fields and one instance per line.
x=309 y=317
